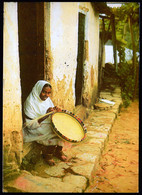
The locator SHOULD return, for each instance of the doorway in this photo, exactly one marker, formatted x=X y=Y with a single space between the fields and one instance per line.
x=80 y=59
x=31 y=44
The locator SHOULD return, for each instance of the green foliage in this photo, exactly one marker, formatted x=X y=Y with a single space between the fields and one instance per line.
x=127 y=82
x=126 y=71
x=127 y=36
x=122 y=16
x=121 y=53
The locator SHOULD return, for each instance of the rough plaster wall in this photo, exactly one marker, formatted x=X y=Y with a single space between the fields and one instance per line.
x=12 y=117
x=63 y=97
x=64 y=46
x=64 y=26
x=94 y=58
x=48 y=74
x=91 y=62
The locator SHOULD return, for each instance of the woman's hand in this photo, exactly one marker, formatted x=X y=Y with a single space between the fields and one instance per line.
x=43 y=118
x=57 y=109
x=50 y=110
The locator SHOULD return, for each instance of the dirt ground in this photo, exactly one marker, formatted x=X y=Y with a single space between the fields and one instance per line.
x=119 y=165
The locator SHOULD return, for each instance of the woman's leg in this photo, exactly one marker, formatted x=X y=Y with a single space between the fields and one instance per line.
x=48 y=152
x=59 y=153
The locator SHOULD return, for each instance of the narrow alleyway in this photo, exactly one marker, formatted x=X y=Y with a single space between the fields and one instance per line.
x=118 y=169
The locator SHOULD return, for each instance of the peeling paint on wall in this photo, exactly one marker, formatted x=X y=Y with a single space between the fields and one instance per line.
x=62 y=96
x=92 y=76
x=48 y=65
x=12 y=116
x=64 y=47
x=61 y=46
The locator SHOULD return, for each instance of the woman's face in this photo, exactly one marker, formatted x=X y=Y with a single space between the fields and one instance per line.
x=45 y=93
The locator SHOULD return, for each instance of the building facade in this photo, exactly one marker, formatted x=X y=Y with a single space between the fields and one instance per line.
x=55 y=41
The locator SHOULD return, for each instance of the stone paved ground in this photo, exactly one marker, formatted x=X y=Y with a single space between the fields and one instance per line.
x=76 y=174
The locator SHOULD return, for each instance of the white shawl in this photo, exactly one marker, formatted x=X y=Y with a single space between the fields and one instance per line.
x=34 y=107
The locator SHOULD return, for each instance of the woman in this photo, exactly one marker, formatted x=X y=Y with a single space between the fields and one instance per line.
x=39 y=129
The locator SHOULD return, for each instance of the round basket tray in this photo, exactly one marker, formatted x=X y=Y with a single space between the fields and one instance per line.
x=68 y=126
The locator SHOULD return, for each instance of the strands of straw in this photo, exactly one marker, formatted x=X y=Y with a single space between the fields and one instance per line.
x=31 y=122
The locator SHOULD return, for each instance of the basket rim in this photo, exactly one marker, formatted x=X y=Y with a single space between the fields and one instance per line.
x=59 y=134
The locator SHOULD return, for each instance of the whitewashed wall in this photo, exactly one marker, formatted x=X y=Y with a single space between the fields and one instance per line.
x=64 y=47
x=12 y=116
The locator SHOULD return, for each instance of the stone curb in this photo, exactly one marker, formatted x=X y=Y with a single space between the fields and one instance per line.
x=77 y=174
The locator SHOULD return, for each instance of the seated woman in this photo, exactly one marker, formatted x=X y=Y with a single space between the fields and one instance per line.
x=38 y=103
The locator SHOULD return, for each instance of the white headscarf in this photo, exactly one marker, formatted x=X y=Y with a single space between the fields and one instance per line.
x=34 y=107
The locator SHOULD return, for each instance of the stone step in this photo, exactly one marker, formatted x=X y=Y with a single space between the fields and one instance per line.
x=83 y=158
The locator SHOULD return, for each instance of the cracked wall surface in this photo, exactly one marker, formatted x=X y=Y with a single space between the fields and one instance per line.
x=12 y=118
x=61 y=47
x=64 y=48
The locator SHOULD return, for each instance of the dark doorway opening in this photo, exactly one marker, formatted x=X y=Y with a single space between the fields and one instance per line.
x=31 y=44
x=80 y=59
